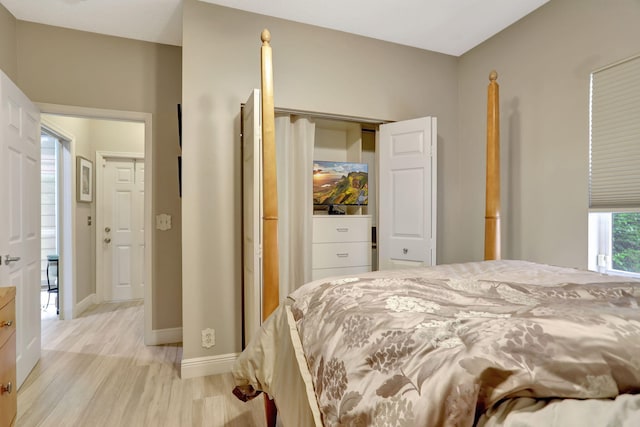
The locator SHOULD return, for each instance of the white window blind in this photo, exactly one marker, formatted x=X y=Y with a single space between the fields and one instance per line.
x=614 y=169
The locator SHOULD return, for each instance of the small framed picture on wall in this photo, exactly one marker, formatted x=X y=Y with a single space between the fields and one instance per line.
x=84 y=180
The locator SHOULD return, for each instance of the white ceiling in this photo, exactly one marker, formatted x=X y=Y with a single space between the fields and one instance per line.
x=447 y=26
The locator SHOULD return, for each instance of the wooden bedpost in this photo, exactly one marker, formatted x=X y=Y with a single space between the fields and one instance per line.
x=270 y=283
x=270 y=297
x=492 y=212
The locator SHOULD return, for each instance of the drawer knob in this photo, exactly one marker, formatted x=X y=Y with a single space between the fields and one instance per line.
x=6 y=388
x=6 y=323
x=342 y=229
x=343 y=255
x=405 y=250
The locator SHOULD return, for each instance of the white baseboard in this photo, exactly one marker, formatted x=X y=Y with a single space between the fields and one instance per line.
x=84 y=304
x=210 y=365
x=164 y=336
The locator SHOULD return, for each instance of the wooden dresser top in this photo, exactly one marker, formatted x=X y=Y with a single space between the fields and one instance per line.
x=6 y=295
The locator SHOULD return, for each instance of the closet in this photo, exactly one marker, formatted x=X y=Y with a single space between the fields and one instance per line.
x=401 y=199
x=342 y=236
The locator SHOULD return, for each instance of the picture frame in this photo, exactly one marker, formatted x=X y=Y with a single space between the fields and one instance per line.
x=84 y=180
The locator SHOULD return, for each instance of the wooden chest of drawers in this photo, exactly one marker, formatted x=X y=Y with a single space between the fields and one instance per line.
x=341 y=245
x=8 y=392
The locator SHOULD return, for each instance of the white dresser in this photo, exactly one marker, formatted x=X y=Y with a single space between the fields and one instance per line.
x=341 y=245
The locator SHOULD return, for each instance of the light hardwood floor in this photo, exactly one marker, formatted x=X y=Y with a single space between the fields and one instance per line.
x=96 y=371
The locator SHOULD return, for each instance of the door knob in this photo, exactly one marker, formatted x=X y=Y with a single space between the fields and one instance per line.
x=107 y=240
x=107 y=229
x=8 y=259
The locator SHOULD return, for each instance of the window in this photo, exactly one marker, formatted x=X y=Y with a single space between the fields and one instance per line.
x=625 y=241
x=614 y=242
x=614 y=169
x=48 y=201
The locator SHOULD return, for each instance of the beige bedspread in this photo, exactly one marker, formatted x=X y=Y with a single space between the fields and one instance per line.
x=440 y=346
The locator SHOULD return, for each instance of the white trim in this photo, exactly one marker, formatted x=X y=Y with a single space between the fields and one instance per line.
x=614 y=272
x=165 y=336
x=101 y=291
x=92 y=113
x=209 y=365
x=615 y=64
x=83 y=305
x=120 y=154
x=609 y=210
x=146 y=118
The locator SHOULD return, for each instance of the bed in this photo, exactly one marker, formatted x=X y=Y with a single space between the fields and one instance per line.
x=488 y=343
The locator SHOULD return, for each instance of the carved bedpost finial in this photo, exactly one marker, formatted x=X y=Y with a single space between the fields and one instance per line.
x=265 y=36
x=493 y=75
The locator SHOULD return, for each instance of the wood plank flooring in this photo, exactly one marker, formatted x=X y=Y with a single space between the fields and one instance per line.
x=96 y=371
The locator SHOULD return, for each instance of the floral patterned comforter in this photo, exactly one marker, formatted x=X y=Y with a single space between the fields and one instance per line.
x=422 y=350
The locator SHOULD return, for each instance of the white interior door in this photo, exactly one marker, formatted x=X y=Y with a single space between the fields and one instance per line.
x=122 y=210
x=252 y=214
x=407 y=197
x=20 y=218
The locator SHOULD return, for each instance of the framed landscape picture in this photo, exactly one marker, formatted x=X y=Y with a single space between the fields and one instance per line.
x=84 y=179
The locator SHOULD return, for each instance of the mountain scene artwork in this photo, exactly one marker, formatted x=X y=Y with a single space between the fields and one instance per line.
x=340 y=183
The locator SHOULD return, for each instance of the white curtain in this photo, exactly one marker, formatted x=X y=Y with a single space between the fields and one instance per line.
x=294 y=160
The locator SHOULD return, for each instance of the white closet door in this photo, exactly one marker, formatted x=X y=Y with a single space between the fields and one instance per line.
x=407 y=198
x=252 y=214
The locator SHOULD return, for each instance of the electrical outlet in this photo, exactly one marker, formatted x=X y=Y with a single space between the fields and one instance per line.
x=163 y=222
x=208 y=338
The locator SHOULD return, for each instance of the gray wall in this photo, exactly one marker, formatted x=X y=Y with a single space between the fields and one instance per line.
x=315 y=70
x=8 y=58
x=67 y=67
x=544 y=63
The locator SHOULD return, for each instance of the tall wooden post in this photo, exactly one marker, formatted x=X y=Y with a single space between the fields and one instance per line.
x=492 y=211
x=270 y=297
x=270 y=284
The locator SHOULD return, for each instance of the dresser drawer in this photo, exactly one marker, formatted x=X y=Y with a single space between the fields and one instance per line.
x=8 y=401
x=321 y=273
x=347 y=228
x=7 y=314
x=336 y=255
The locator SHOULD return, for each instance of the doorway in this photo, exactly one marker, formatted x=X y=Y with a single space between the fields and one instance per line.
x=54 y=147
x=74 y=298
